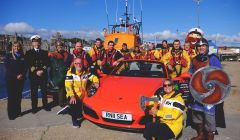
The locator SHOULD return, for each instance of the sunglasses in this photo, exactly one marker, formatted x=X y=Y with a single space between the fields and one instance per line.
x=78 y=63
x=167 y=85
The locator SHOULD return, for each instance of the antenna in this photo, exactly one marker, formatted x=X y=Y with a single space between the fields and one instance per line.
x=133 y=9
x=107 y=13
x=198 y=12
x=141 y=19
x=126 y=15
x=117 y=12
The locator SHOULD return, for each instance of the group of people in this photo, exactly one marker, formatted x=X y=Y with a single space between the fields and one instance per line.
x=169 y=110
x=69 y=74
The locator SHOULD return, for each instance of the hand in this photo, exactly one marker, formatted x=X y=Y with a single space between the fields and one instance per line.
x=115 y=63
x=39 y=72
x=96 y=85
x=163 y=101
x=19 y=77
x=73 y=100
x=170 y=67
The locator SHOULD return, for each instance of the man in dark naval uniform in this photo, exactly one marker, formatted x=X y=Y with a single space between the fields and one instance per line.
x=37 y=63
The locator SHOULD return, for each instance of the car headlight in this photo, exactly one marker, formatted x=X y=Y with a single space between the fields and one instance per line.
x=91 y=91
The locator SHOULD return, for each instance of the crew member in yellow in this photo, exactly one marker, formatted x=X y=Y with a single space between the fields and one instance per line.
x=177 y=60
x=152 y=53
x=164 y=49
x=137 y=53
x=96 y=53
x=191 y=52
x=169 y=114
x=125 y=52
x=76 y=83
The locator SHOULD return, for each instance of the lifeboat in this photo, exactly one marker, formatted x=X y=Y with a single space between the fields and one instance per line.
x=124 y=32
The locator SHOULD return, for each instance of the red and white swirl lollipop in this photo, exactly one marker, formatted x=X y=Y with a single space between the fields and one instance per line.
x=210 y=85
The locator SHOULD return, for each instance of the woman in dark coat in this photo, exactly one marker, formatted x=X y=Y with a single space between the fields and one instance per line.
x=15 y=75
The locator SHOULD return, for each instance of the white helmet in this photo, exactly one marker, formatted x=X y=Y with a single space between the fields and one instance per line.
x=196 y=30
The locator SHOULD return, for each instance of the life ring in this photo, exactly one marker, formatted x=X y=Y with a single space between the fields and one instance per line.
x=210 y=85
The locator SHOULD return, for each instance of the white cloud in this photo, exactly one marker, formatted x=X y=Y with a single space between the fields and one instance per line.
x=164 y=35
x=27 y=30
x=227 y=40
x=19 y=27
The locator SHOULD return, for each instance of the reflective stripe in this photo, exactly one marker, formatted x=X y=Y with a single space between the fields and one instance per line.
x=174 y=104
x=69 y=77
x=178 y=105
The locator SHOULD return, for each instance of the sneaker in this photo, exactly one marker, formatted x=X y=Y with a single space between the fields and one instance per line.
x=64 y=110
x=75 y=123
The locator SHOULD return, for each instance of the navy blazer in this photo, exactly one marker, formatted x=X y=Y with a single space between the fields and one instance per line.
x=14 y=67
x=37 y=61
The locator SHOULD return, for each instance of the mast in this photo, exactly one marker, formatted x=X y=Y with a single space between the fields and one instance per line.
x=126 y=12
x=126 y=15
x=198 y=11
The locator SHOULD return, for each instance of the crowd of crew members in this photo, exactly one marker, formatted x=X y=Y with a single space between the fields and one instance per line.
x=59 y=70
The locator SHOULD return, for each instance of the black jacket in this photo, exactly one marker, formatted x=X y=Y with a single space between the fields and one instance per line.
x=37 y=61
x=14 y=66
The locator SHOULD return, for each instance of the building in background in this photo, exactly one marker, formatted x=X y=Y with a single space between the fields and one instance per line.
x=229 y=53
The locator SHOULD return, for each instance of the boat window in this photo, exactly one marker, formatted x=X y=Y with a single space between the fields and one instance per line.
x=140 y=69
x=116 y=40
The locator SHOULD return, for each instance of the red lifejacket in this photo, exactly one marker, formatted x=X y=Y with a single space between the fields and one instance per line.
x=82 y=55
x=177 y=59
x=109 y=60
x=97 y=54
x=137 y=55
x=126 y=54
x=164 y=51
x=197 y=64
x=150 y=55
x=58 y=55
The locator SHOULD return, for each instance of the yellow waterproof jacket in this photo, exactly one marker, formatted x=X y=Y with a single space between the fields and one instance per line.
x=168 y=56
x=96 y=55
x=76 y=83
x=152 y=55
x=171 y=109
x=192 y=53
x=162 y=52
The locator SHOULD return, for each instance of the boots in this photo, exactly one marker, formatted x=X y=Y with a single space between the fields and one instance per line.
x=210 y=135
x=200 y=131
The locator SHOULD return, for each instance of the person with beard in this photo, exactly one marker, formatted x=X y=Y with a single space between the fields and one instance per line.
x=205 y=118
x=96 y=53
x=60 y=63
x=152 y=53
x=111 y=58
x=76 y=82
x=125 y=52
x=15 y=74
x=78 y=52
x=177 y=60
x=165 y=49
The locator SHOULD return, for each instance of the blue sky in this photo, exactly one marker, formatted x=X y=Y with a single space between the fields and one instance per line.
x=219 y=19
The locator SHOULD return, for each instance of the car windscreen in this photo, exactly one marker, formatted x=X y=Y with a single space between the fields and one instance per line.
x=140 y=69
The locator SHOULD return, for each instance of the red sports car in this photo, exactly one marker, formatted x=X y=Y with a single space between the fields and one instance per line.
x=117 y=102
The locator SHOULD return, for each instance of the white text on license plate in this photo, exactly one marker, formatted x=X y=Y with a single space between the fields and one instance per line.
x=117 y=116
